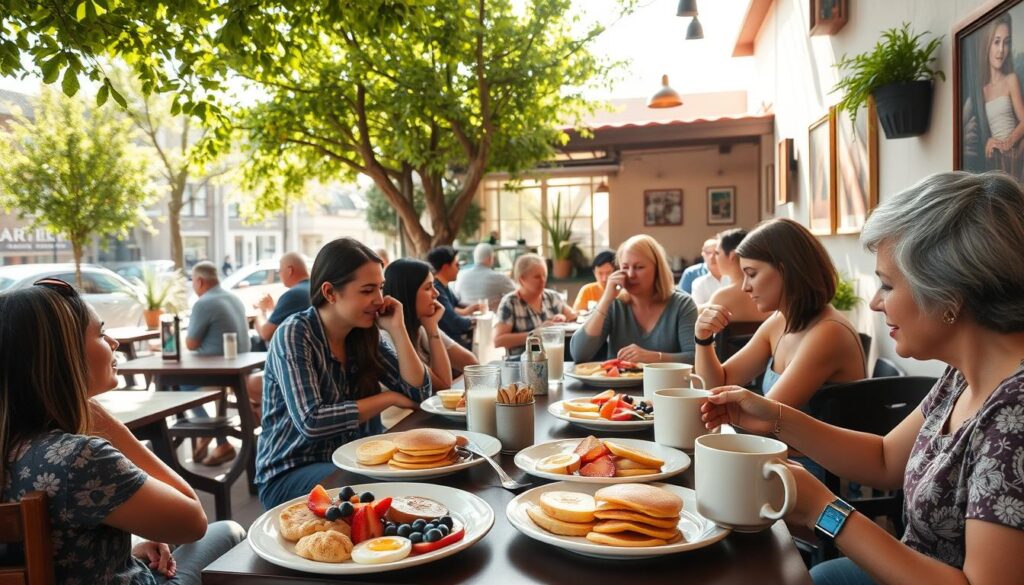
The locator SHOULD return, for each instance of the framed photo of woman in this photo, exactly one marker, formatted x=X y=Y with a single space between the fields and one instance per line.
x=987 y=74
x=856 y=167
x=821 y=160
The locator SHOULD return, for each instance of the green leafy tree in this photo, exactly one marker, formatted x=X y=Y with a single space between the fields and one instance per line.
x=381 y=216
x=76 y=172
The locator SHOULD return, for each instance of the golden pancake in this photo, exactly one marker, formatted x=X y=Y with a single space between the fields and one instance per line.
x=642 y=457
x=439 y=463
x=568 y=506
x=326 y=547
x=424 y=441
x=403 y=457
x=556 y=526
x=631 y=516
x=617 y=526
x=630 y=539
x=375 y=452
x=640 y=497
x=297 y=521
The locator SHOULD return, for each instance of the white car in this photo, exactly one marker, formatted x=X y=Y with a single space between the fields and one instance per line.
x=113 y=297
x=249 y=283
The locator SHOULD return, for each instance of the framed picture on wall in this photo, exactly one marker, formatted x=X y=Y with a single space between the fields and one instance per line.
x=768 y=198
x=721 y=205
x=856 y=168
x=828 y=16
x=663 y=207
x=821 y=179
x=987 y=80
x=786 y=167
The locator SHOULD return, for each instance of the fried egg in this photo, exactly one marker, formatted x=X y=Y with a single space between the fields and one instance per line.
x=383 y=549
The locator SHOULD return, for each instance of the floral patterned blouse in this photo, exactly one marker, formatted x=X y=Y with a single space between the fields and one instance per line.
x=85 y=479
x=976 y=472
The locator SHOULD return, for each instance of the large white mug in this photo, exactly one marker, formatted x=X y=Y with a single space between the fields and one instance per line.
x=668 y=375
x=677 y=420
x=735 y=479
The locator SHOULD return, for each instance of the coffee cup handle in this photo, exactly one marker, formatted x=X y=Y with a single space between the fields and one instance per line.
x=789 y=485
x=703 y=384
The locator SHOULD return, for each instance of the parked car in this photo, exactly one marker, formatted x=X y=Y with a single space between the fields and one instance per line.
x=112 y=296
x=251 y=282
x=130 y=270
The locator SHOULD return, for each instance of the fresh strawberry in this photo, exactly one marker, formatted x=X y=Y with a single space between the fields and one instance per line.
x=608 y=408
x=612 y=373
x=611 y=362
x=603 y=397
x=373 y=526
x=622 y=414
x=600 y=467
x=380 y=507
x=360 y=529
x=624 y=365
x=424 y=547
x=318 y=501
x=587 y=445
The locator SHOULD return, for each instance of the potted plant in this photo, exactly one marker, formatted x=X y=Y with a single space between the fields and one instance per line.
x=898 y=74
x=559 y=230
x=159 y=292
x=845 y=299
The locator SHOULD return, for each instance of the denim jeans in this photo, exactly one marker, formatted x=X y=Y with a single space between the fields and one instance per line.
x=841 y=571
x=293 y=483
x=192 y=558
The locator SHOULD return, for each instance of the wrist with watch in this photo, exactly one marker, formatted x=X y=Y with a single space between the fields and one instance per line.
x=832 y=519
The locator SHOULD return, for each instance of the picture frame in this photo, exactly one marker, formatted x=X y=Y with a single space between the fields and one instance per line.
x=821 y=148
x=721 y=205
x=786 y=169
x=856 y=168
x=984 y=117
x=768 y=207
x=663 y=207
x=827 y=17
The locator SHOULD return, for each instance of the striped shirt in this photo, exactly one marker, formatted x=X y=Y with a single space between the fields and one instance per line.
x=309 y=407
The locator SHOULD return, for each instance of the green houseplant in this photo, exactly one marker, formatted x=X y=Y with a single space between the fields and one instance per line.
x=846 y=298
x=898 y=74
x=159 y=292
x=558 y=227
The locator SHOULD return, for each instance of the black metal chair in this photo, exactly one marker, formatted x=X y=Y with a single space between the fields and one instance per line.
x=885 y=368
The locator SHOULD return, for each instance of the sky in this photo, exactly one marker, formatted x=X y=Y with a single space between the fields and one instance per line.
x=652 y=39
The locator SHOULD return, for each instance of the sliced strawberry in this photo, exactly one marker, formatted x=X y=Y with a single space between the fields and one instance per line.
x=603 y=397
x=373 y=526
x=608 y=408
x=622 y=414
x=624 y=365
x=318 y=501
x=612 y=373
x=586 y=445
x=360 y=529
x=611 y=362
x=381 y=507
x=600 y=467
x=424 y=547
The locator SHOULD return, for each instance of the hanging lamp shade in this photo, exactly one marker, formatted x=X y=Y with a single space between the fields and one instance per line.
x=694 y=31
x=601 y=188
x=687 y=8
x=666 y=96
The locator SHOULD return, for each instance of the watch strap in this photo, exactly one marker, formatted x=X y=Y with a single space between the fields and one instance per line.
x=832 y=519
x=705 y=342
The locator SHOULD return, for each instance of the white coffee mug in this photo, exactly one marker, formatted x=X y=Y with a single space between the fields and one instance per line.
x=668 y=375
x=677 y=420
x=735 y=484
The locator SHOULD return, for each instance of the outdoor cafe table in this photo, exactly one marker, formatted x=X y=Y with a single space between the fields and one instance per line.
x=145 y=413
x=506 y=557
x=198 y=370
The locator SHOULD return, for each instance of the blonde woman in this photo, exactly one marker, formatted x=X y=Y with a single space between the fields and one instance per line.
x=530 y=306
x=641 y=316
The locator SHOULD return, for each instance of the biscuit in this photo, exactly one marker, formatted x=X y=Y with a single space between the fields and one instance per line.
x=629 y=539
x=630 y=516
x=297 y=521
x=327 y=547
x=556 y=526
x=375 y=452
x=617 y=526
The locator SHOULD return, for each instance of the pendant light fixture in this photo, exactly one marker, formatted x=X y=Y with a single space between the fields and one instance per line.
x=602 y=187
x=666 y=96
x=694 y=31
x=687 y=8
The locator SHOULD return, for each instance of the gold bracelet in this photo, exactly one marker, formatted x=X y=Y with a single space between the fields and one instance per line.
x=661 y=357
x=778 y=421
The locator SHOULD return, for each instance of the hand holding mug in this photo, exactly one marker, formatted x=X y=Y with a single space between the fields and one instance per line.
x=712 y=320
x=740 y=407
x=811 y=496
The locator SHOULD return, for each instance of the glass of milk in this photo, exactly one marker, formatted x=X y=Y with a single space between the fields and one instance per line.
x=482 y=383
x=554 y=346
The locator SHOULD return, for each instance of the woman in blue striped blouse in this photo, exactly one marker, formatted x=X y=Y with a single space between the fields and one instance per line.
x=325 y=368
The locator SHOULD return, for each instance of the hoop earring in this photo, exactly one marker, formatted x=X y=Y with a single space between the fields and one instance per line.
x=949 y=317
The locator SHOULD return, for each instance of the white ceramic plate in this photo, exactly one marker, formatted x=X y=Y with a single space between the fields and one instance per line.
x=676 y=461
x=599 y=424
x=433 y=405
x=603 y=381
x=465 y=508
x=697 y=530
x=345 y=458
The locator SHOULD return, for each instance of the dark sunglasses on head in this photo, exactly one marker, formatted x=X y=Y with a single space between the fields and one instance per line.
x=57 y=285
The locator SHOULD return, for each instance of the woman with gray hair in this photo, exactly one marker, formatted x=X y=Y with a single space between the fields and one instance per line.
x=950 y=257
x=530 y=306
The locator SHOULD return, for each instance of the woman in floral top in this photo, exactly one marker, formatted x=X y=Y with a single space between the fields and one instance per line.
x=951 y=263
x=102 y=485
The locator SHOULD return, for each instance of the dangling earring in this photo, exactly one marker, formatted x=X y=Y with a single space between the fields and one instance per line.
x=949 y=317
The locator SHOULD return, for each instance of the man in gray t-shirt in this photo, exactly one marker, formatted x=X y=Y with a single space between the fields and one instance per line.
x=482 y=281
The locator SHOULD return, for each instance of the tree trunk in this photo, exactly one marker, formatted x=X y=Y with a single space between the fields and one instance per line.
x=76 y=247
x=174 y=206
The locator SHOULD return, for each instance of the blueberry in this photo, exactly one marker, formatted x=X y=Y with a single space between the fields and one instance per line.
x=346 y=509
x=418 y=524
x=444 y=530
x=365 y=497
x=416 y=537
x=390 y=530
x=404 y=530
x=446 y=520
x=332 y=514
x=346 y=493
x=433 y=535
x=627 y=399
x=428 y=527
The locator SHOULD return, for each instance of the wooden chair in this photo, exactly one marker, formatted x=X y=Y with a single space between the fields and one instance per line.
x=876 y=406
x=734 y=337
x=28 y=523
x=885 y=368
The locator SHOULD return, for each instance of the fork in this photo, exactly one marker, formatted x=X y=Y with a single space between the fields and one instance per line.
x=506 y=481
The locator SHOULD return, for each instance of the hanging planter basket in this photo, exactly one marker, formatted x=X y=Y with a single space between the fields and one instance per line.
x=904 y=109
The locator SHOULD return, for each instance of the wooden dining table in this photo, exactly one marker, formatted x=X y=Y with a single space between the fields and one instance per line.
x=146 y=412
x=507 y=557
x=218 y=371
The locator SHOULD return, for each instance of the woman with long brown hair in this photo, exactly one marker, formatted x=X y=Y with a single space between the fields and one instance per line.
x=321 y=388
x=102 y=484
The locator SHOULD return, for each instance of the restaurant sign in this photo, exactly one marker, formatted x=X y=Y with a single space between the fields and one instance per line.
x=31 y=240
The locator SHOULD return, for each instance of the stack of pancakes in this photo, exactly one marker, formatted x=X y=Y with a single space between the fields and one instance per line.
x=636 y=514
x=423 y=449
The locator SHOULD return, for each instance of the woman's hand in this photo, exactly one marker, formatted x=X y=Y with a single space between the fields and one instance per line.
x=739 y=407
x=635 y=353
x=712 y=320
x=991 y=145
x=158 y=555
x=811 y=496
x=390 y=317
x=616 y=282
x=430 y=323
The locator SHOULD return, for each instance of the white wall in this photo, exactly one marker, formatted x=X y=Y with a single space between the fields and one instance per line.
x=795 y=73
